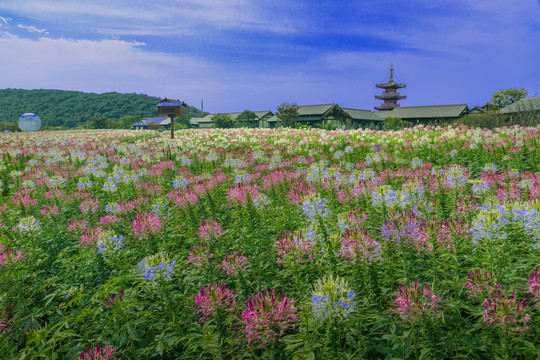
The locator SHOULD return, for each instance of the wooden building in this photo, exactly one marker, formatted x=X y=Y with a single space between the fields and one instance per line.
x=145 y=123
x=206 y=121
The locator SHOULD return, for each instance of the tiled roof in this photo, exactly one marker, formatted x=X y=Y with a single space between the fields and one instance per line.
x=314 y=109
x=358 y=114
x=418 y=112
x=208 y=118
x=527 y=104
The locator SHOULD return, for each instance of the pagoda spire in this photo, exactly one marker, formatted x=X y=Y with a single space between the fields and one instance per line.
x=390 y=95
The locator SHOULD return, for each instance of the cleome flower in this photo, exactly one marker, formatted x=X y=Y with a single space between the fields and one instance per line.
x=415 y=301
x=357 y=245
x=234 y=262
x=332 y=298
x=97 y=353
x=293 y=248
x=213 y=299
x=199 y=255
x=146 y=223
x=28 y=225
x=210 y=229
x=506 y=311
x=157 y=267
x=268 y=316
x=480 y=283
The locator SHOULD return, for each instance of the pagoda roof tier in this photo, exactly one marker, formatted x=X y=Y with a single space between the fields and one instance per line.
x=386 y=108
x=390 y=96
x=390 y=85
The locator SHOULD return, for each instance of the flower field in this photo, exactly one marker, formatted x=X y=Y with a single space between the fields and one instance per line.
x=271 y=244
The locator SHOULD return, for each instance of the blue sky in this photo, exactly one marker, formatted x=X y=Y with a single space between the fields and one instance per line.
x=239 y=54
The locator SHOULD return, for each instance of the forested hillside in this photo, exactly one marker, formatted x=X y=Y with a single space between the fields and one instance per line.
x=74 y=108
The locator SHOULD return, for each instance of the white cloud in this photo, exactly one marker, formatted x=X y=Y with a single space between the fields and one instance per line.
x=32 y=28
x=102 y=66
x=5 y=20
x=159 y=17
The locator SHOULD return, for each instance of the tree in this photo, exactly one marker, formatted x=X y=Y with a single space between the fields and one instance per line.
x=129 y=120
x=222 y=121
x=71 y=123
x=247 y=119
x=9 y=126
x=503 y=98
x=99 y=122
x=183 y=121
x=288 y=114
x=395 y=123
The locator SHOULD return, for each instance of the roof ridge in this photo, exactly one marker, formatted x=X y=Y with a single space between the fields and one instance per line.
x=358 y=109
x=406 y=107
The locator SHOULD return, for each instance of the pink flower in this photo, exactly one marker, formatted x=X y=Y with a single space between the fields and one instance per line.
x=49 y=210
x=108 y=219
x=3 y=325
x=90 y=236
x=97 y=353
x=198 y=255
x=24 y=201
x=113 y=299
x=90 y=205
x=506 y=311
x=480 y=284
x=210 y=229
x=234 y=263
x=293 y=248
x=415 y=301
x=212 y=299
x=146 y=224
x=239 y=193
x=10 y=256
x=534 y=285
x=268 y=316
x=357 y=245
x=182 y=198
x=77 y=224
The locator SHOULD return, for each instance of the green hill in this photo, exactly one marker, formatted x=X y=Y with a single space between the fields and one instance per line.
x=74 y=108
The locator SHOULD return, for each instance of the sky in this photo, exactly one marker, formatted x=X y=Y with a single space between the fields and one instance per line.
x=240 y=54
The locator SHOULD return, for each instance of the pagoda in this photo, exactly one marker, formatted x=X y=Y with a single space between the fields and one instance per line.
x=389 y=95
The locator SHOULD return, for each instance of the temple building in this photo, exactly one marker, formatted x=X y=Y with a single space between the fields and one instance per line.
x=390 y=95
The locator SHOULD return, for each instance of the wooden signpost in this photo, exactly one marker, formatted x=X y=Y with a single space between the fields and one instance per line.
x=171 y=108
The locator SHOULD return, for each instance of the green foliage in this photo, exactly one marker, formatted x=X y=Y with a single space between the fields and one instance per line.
x=9 y=126
x=99 y=122
x=492 y=119
x=503 y=98
x=146 y=135
x=247 y=119
x=182 y=122
x=74 y=108
x=288 y=114
x=223 y=121
x=127 y=120
x=395 y=123
x=327 y=126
